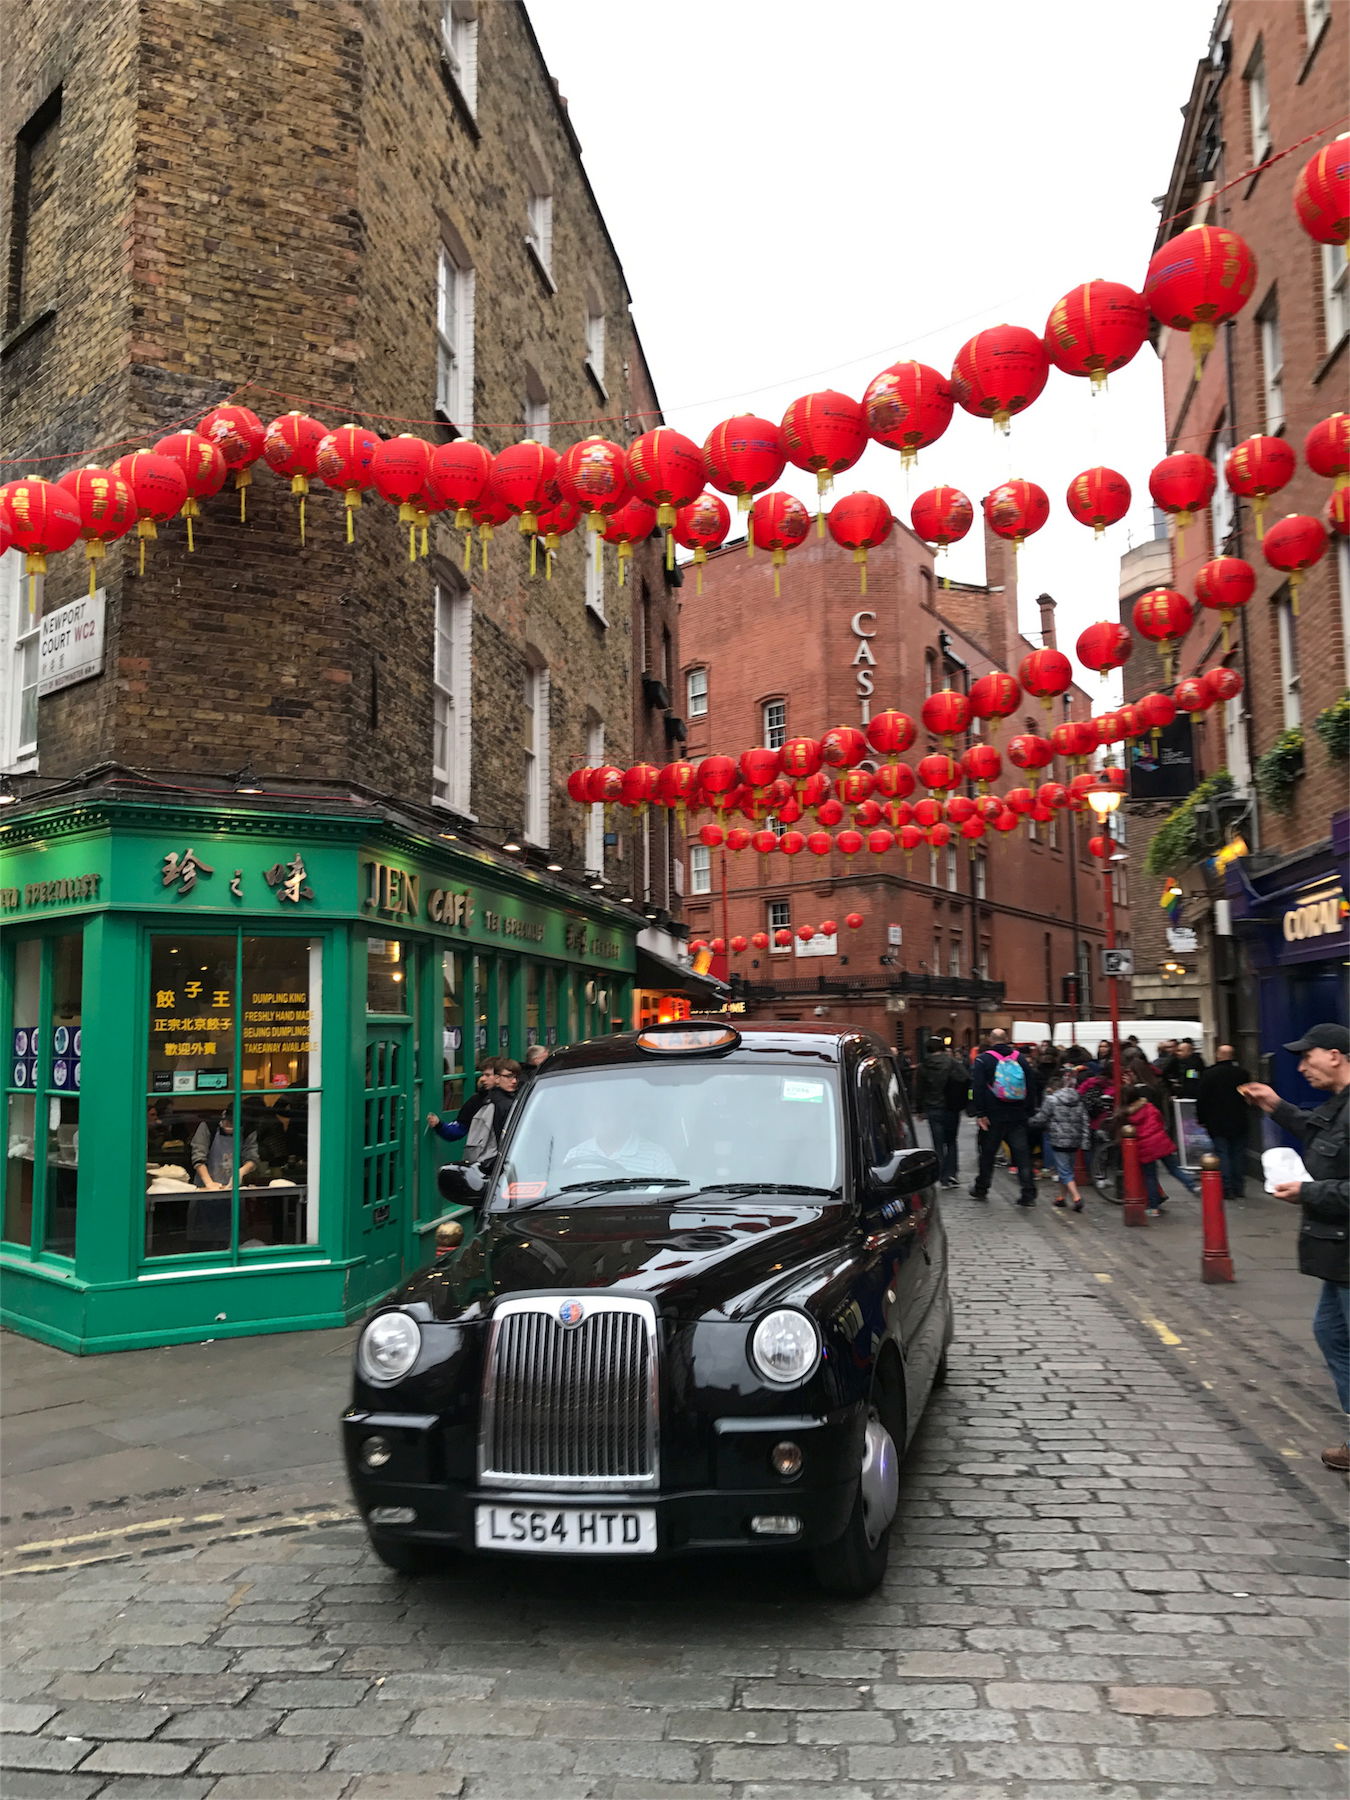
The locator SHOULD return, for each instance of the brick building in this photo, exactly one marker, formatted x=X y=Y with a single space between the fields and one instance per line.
x=984 y=940
x=1273 y=72
x=380 y=216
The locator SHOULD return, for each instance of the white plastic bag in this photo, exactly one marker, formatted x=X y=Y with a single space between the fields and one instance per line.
x=1280 y=1165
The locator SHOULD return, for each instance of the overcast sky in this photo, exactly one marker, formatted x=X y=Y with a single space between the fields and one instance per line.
x=801 y=194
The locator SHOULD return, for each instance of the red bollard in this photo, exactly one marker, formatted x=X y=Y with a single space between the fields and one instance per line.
x=1216 y=1264
x=1135 y=1208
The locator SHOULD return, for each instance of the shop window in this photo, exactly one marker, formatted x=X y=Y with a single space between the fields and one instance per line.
x=775 y=724
x=43 y=1099
x=386 y=976
x=455 y=967
x=232 y=1095
x=696 y=686
x=700 y=869
x=18 y=665
x=454 y=340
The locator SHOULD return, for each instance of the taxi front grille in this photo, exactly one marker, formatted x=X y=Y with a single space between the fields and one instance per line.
x=570 y=1406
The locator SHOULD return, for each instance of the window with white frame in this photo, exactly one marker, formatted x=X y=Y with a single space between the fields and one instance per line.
x=1290 y=680
x=595 y=820
x=536 y=410
x=459 y=47
x=595 y=579
x=18 y=665
x=936 y=965
x=929 y=674
x=1258 y=104
x=1054 y=831
x=536 y=753
x=775 y=724
x=1335 y=293
x=1343 y=578
x=454 y=341
x=696 y=693
x=981 y=875
x=1272 y=362
x=954 y=959
x=1315 y=15
x=773 y=823
x=1235 y=758
x=1223 y=506
x=595 y=342
x=700 y=869
x=779 y=919
x=539 y=217
x=451 y=765
x=983 y=970
x=953 y=879
x=932 y=866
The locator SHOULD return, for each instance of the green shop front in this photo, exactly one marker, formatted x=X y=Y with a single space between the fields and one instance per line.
x=226 y=1030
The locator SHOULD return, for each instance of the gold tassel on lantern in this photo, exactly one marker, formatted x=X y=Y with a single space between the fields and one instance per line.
x=191 y=511
x=485 y=538
x=95 y=549
x=351 y=499
x=300 y=485
x=860 y=557
x=779 y=558
x=407 y=515
x=243 y=480
x=145 y=528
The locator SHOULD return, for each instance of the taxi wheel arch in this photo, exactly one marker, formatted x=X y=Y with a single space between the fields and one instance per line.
x=853 y=1566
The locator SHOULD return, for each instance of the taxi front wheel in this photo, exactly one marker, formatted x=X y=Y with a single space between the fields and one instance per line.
x=855 y=1563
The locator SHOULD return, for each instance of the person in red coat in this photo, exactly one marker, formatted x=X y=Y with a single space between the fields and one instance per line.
x=1155 y=1146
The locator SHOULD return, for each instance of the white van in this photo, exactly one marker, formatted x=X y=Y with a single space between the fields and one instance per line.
x=1090 y=1032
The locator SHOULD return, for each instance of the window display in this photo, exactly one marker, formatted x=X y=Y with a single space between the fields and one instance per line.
x=232 y=1114
x=454 y=967
x=42 y=1113
x=386 y=971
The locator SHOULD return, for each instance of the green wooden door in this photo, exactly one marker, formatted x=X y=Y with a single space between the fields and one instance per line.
x=387 y=1163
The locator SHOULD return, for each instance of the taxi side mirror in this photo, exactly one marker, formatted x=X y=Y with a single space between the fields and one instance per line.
x=907 y=1172
x=462 y=1184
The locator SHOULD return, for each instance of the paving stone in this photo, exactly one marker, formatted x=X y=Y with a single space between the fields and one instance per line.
x=446 y=1786
x=1227 y=1733
x=960 y=1666
x=799 y=1697
x=28 y=1784
x=1159 y=1765
x=141 y=1759
x=843 y=1728
x=297 y=1786
x=24 y=1716
x=158 y=1787
x=899 y=1762
x=343 y=1722
x=1083 y=1728
x=768 y=1763
x=206 y=1723
x=264 y=1756
x=42 y=1752
x=1038 y=1763
x=1162 y=1702
x=108 y=1720
x=1301 y=1774
x=923 y=1694
x=1051 y=1696
x=411 y=1756
x=979 y=1725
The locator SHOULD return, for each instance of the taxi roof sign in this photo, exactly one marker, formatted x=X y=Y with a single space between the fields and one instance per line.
x=685 y=1039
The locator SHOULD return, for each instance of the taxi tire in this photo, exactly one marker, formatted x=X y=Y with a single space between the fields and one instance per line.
x=851 y=1567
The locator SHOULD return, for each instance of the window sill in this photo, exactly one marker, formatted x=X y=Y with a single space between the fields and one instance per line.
x=596 y=380
x=1331 y=358
x=597 y=614
x=24 y=764
x=460 y=99
x=29 y=328
x=541 y=268
x=440 y=804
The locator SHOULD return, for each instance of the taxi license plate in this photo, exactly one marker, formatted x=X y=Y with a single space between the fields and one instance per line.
x=568 y=1530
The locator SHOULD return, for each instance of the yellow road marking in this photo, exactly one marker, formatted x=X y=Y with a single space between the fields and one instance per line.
x=121 y=1531
x=1100 y=1277
x=1168 y=1336
x=27 y=1562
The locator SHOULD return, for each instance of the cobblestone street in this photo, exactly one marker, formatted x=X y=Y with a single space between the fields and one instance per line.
x=1100 y=1587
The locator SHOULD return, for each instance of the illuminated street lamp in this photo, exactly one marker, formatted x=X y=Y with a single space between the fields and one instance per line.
x=1103 y=797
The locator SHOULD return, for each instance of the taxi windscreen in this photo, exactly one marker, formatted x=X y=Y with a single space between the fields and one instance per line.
x=656 y=1128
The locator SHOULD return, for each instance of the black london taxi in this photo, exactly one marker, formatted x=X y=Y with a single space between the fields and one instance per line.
x=703 y=1308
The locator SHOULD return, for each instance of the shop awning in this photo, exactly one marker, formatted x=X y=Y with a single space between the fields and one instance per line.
x=656 y=971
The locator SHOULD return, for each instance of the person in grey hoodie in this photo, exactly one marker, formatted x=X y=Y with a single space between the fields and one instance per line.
x=1064 y=1119
x=940 y=1089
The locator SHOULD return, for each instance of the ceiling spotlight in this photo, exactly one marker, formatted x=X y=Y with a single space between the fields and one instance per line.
x=554 y=868
x=7 y=794
x=511 y=844
x=451 y=837
x=246 y=782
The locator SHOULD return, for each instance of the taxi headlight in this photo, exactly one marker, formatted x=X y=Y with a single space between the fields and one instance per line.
x=389 y=1347
x=785 y=1345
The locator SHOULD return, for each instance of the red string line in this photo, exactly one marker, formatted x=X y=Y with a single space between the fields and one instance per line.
x=364 y=412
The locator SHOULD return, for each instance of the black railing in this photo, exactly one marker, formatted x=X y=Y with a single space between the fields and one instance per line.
x=968 y=991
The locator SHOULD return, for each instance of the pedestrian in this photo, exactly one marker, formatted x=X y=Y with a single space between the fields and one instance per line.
x=1166 y=1050
x=1155 y=1146
x=1226 y=1116
x=1324 y=1232
x=535 y=1058
x=940 y=1089
x=1064 y=1120
x=1101 y=1063
x=453 y=1129
x=999 y=1096
x=1183 y=1069
x=488 y=1125
x=1137 y=1071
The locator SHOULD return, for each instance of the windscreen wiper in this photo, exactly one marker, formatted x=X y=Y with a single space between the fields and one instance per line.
x=765 y=1187
x=609 y=1186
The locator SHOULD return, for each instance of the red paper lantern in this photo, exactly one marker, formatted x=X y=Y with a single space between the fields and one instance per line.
x=1157 y=712
x=594 y=473
x=898 y=813
x=894 y=780
x=982 y=763
x=738 y=839
x=792 y=843
x=718 y=946
x=712 y=836
x=778 y=523
x=1197 y=280
x=830 y=813
x=960 y=807
x=1108 y=728
x=1073 y=739
x=849 y=841
x=759 y=766
x=702 y=526
x=159 y=488
x=1096 y=329
x=1019 y=799
x=1098 y=497
x=1006 y=821
x=1164 y=616
x=1223 y=683
x=799 y=757
x=843 y=747
x=909 y=838
x=988 y=807
x=1046 y=674
x=928 y=812
x=828 y=928
x=1028 y=751
x=853 y=920
x=488 y=514
x=1016 y=509
x=291 y=447
x=1322 y=194
x=1292 y=545
x=938 y=773
x=825 y=433
x=972 y=831
x=1104 y=646
x=759 y=940
x=604 y=786
x=819 y=843
x=1338 y=511
x=739 y=945
x=462 y=470
x=578 y=785
x=525 y=480
x=782 y=938
x=814 y=789
x=555 y=523
x=945 y=713
x=665 y=468
x=994 y=697
x=1182 y=485
x=860 y=522
x=908 y=406
x=939 y=836
x=399 y=470
x=677 y=784
x=880 y=841
x=204 y=470
x=806 y=933
x=1000 y=372
x=106 y=507
x=868 y=813
x=239 y=435
x=1101 y=847
x=1326 y=449
x=632 y=523
x=1223 y=585
x=941 y=516
x=717 y=776
x=639 y=785
x=891 y=732
x=1257 y=468
x=765 y=842
x=855 y=786
x=344 y=461
x=744 y=456
x=1052 y=794
x=1193 y=696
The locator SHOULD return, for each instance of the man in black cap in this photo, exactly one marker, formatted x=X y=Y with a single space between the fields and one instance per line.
x=1324 y=1236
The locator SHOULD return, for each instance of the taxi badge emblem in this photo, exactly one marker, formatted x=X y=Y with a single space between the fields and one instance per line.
x=571 y=1312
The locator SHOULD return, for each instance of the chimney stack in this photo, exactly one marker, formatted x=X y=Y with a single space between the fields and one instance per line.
x=1047 y=609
